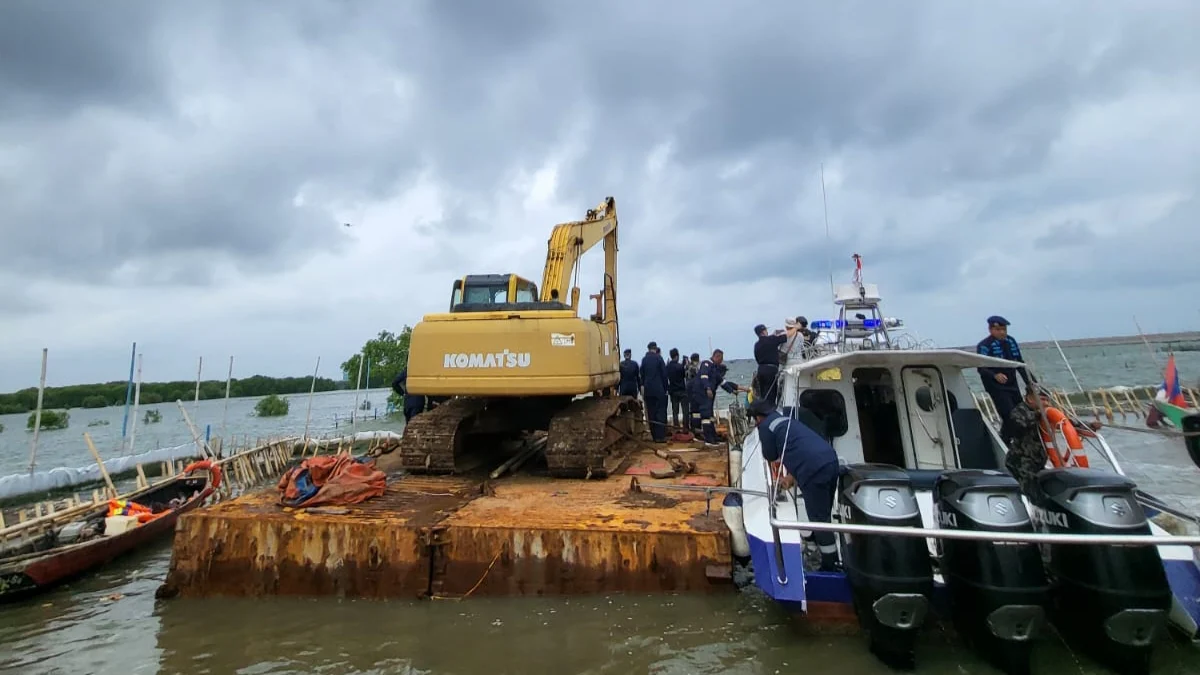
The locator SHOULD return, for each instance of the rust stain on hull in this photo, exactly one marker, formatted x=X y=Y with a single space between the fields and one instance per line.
x=443 y=536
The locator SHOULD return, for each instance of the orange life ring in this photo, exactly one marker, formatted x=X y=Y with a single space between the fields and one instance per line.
x=214 y=471
x=1075 y=454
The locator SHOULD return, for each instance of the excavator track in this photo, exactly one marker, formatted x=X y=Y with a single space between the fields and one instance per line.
x=432 y=439
x=582 y=436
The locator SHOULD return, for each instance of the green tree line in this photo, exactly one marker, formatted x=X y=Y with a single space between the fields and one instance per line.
x=387 y=354
x=113 y=393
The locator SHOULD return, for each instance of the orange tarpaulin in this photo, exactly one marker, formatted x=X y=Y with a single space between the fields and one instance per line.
x=337 y=480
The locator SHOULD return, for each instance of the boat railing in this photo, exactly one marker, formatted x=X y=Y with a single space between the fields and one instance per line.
x=995 y=537
x=802 y=525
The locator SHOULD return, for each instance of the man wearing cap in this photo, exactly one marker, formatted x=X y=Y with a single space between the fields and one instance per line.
x=709 y=378
x=631 y=378
x=766 y=354
x=654 y=392
x=811 y=464
x=1001 y=383
x=1021 y=430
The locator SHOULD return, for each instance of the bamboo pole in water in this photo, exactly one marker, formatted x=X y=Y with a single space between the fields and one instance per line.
x=357 y=389
x=37 y=416
x=1153 y=355
x=196 y=402
x=228 y=384
x=308 y=414
x=1064 y=358
x=204 y=453
x=137 y=399
x=112 y=489
x=128 y=395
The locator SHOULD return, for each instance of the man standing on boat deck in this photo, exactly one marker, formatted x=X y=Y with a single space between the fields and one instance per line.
x=1001 y=383
x=709 y=378
x=766 y=355
x=654 y=392
x=631 y=377
x=1022 y=432
x=811 y=464
x=677 y=388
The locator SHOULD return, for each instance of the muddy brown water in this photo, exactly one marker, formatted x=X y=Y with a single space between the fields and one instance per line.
x=109 y=622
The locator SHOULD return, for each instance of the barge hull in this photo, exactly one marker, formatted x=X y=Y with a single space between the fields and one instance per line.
x=455 y=537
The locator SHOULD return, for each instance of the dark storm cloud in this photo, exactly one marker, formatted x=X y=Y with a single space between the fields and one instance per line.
x=178 y=130
x=56 y=56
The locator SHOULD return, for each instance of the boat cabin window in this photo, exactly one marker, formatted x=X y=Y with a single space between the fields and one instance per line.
x=829 y=407
x=878 y=416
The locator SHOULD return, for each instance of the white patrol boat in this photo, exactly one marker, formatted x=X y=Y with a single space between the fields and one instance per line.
x=929 y=521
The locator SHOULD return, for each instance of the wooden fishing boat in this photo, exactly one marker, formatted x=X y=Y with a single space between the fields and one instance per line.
x=1171 y=405
x=37 y=555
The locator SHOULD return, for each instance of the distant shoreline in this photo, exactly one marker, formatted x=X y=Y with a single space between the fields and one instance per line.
x=1153 y=338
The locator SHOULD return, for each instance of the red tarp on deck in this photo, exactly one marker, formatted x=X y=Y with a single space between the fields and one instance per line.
x=331 y=481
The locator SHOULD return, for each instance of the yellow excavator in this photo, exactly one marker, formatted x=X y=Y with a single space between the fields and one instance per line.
x=513 y=360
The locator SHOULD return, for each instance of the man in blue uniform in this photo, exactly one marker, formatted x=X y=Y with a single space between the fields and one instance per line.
x=811 y=464
x=631 y=378
x=766 y=355
x=654 y=392
x=677 y=389
x=1001 y=383
x=709 y=378
x=414 y=404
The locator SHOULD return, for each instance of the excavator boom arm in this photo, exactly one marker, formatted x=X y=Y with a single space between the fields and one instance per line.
x=569 y=241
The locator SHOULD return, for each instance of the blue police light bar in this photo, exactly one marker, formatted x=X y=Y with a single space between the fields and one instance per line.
x=826 y=324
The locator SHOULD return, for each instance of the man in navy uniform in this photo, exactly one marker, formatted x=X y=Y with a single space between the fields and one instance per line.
x=654 y=392
x=631 y=378
x=1001 y=383
x=677 y=389
x=766 y=355
x=709 y=378
x=811 y=464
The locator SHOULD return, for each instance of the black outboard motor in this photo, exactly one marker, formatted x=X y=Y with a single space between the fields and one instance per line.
x=998 y=590
x=891 y=577
x=1108 y=601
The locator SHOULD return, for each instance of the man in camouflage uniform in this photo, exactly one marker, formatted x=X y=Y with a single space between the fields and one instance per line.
x=691 y=367
x=1022 y=432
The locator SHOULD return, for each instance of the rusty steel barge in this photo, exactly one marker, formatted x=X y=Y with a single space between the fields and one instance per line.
x=456 y=536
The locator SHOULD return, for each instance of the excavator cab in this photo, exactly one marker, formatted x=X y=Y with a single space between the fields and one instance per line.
x=496 y=293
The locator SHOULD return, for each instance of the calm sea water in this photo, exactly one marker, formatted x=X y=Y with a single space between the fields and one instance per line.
x=66 y=447
x=110 y=623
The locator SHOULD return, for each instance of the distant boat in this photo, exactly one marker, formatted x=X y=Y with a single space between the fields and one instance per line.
x=1171 y=405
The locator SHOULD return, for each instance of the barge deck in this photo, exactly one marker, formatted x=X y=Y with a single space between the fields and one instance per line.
x=458 y=536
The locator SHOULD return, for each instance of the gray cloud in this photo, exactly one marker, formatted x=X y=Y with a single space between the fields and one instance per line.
x=140 y=143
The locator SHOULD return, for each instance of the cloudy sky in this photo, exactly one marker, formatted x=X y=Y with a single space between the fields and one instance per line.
x=178 y=173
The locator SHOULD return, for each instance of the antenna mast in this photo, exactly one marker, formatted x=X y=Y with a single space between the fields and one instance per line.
x=828 y=242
